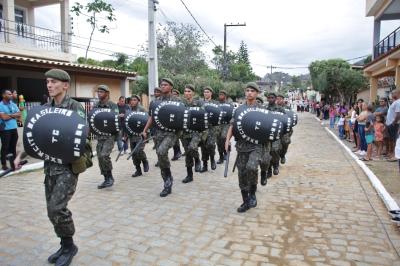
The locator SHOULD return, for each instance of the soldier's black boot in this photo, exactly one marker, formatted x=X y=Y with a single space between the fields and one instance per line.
x=110 y=179
x=252 y=196
x=197 y=165
x=138 y=171
x=105 y=182
x=145 y=166
x=283 y=159
x=276 y=169
x=69 y=250
x=189 y=177
x=168 y=180
x=205 y=167
x=213 y=165
x=245 y=205
x=53 y=257
x=177 y=153
x=221 y=158
x=269 y=173
x=263 y=180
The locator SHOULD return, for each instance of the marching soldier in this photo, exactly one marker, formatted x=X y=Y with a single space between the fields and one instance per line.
x=105 y=144
x=157 y=93
x=249 y=155
x=276 y=145
x=191 y=140
x=60 y=180
x=265 y=154
x=140 y=156
x=280 y=100
x=177 y=146
x=208 y=144
x=164 y=139
x=223 y=129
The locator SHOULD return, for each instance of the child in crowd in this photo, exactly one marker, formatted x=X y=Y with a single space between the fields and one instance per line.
x=347 y=127
x=340 y=125
x=369 y=135
x=379 y=127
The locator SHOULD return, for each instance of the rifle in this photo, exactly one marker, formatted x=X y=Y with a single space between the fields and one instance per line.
x=228 y=154
x=10 y=158
x=136 y=149
x=122 y=150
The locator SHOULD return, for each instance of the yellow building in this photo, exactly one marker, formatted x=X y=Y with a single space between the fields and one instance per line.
x=27 y=51
x=385 y=50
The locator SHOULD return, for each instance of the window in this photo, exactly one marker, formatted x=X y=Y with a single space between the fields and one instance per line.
x=19 y=14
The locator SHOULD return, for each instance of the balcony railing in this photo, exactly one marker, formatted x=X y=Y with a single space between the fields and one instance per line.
x=31 y=36
x=388 y=43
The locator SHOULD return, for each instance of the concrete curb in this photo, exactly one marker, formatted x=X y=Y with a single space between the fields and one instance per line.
x=390 y=203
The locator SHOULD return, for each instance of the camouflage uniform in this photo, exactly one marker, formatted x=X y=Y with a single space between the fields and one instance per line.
x=285 y=144
x=275 y=145
x=222 y=130
x=165 y=141
x=140 y=155
x=191 y=141
x=208 y=143
x=60 y=183
x=105 y=144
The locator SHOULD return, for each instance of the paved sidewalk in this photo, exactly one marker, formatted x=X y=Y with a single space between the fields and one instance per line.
x=320 y=210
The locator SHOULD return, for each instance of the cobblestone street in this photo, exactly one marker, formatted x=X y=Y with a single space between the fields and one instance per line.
x=320 y=210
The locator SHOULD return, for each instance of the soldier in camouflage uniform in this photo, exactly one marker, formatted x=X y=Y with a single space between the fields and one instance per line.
x=265 y=154
x=60 y=181
x=276 y=145
x=153 y=130
x=223 y=129
x=165 y=139
x=105 y=144
x=177 y=145
x=249 y=155
x=210 y=138
x=140 y=155
x=280 y=100
x=191 y=139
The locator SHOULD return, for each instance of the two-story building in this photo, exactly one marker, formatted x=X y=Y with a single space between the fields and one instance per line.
x=27 y=51
x=385 y=50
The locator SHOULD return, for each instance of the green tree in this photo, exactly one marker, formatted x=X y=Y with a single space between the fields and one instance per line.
x=93 y=10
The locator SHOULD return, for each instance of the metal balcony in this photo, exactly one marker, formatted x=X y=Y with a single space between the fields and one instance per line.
x=387 y=44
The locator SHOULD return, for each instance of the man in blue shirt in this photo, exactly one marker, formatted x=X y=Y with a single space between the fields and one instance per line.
x=9 y=113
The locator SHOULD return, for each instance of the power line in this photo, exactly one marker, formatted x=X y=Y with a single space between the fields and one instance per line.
x=195 y=20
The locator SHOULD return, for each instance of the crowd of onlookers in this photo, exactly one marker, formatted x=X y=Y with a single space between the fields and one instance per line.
x=374 y=129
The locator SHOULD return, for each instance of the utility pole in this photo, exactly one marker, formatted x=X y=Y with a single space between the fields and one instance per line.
x=224 y=67
x=153 y=62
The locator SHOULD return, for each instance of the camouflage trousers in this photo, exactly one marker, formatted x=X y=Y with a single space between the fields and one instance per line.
x=221 y=138
x=59 y=189
x=265 y=157
x=164 y=141
x=191 y=146
x=247 y=164
x=285 y=144
x=275 y=152
x=208 y=144
x=140 y=155
x=104 y=148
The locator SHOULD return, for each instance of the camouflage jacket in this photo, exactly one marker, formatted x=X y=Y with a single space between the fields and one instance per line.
x=51 y=168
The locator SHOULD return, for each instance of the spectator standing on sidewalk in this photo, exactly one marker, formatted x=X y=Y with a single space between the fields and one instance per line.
x=9 y=113
x=379 y=127
x=392 y=123
x=332 y=114
x=340 y=124
x=362 y=120
x=369 y=133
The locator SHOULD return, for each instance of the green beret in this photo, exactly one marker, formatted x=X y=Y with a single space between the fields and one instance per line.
x=271 y=94
x=103 y=88
x=280 y=95
x=190 y=86
x=58 y=74
x=135 y=96
x=157 y=89
x=253 y=85
x=208 y=88
x=260 y=99
x=168 y=80
x=224 y=92
x=176 y=91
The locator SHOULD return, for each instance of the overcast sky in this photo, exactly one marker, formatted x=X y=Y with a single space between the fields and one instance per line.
x=285 y=33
